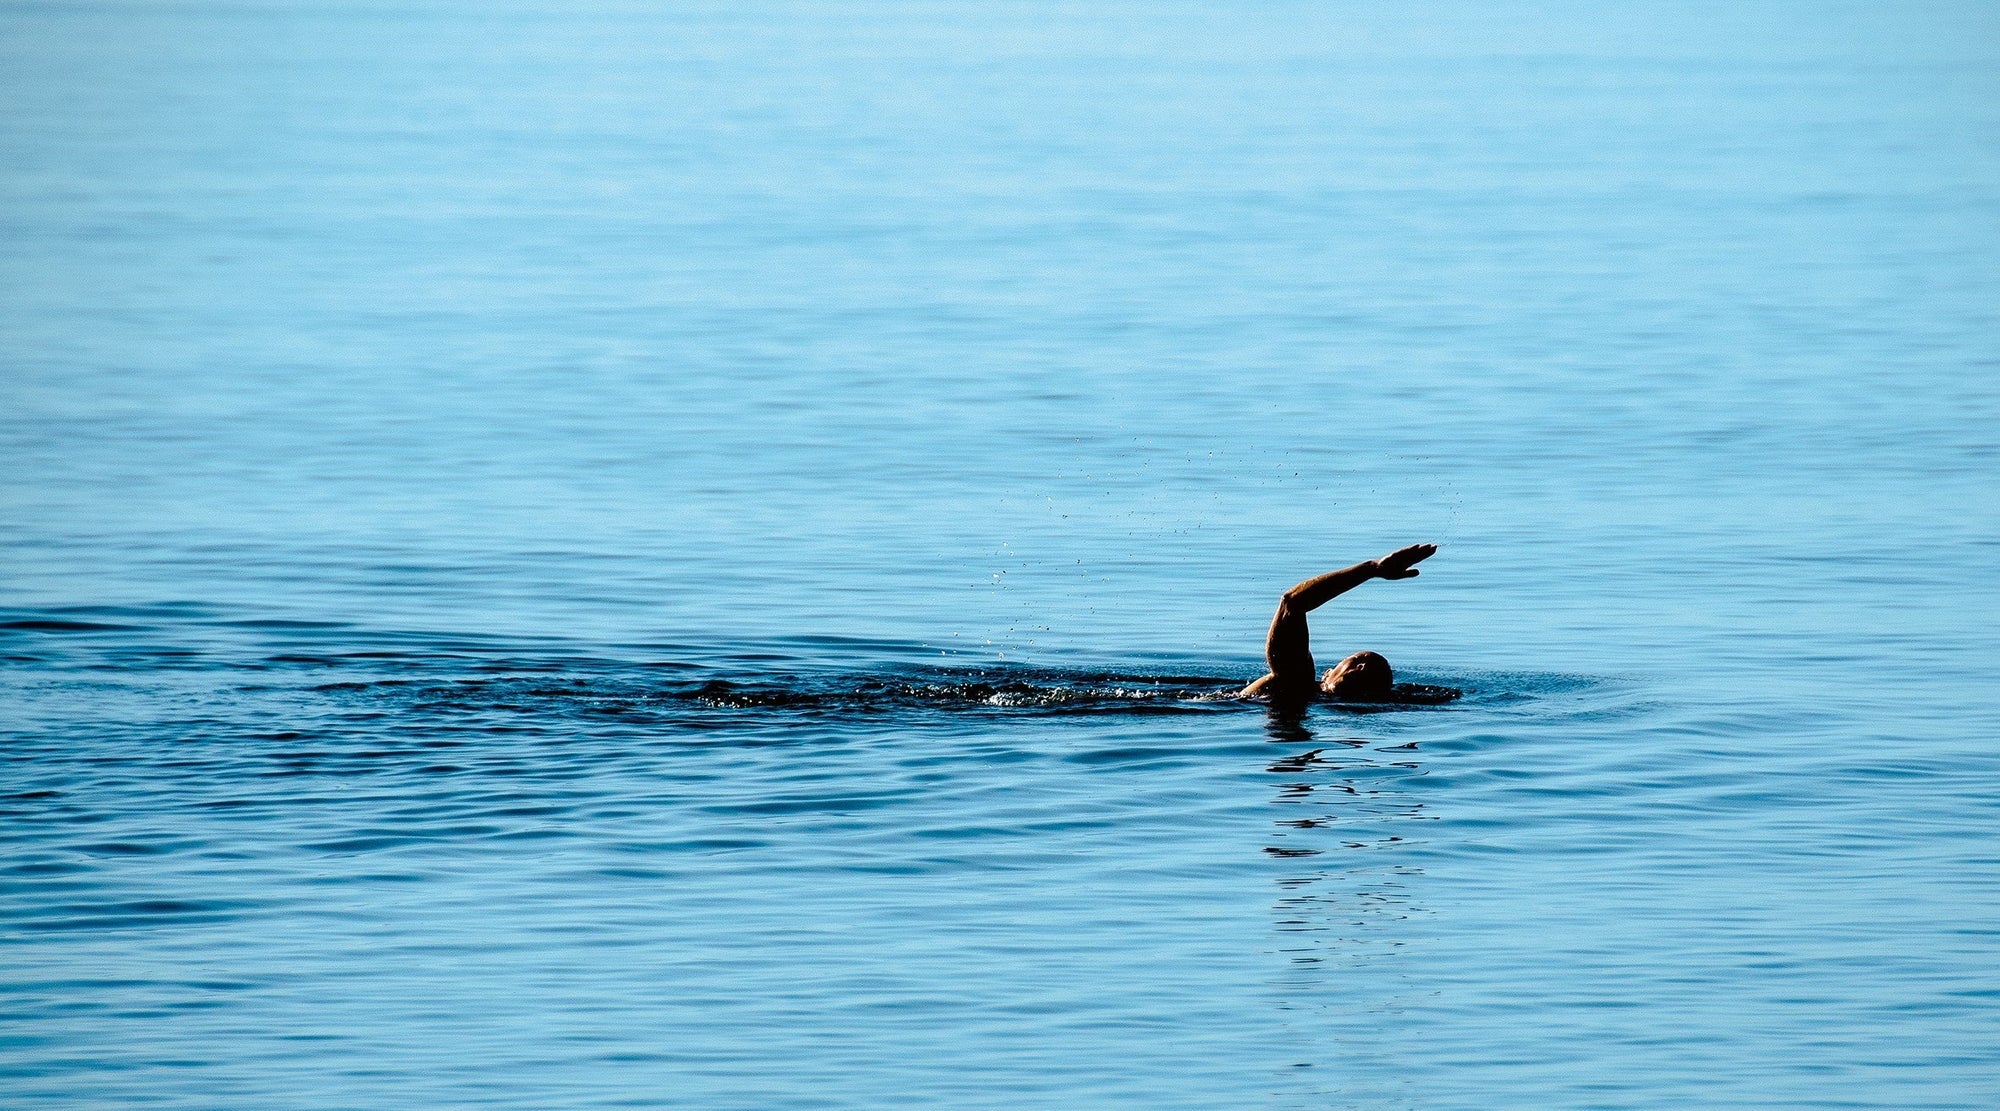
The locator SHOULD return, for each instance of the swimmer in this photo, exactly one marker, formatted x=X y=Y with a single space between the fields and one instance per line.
x=1362 y=677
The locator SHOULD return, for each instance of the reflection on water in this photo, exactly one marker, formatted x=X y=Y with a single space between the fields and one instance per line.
x=1347 y=902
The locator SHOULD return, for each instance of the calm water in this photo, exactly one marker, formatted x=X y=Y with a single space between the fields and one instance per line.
x=613 y=554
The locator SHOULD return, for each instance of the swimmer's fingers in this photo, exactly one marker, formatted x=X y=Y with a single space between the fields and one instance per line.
x=1397 y=564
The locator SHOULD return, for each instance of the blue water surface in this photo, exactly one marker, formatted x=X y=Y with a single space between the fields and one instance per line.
x=615 y=554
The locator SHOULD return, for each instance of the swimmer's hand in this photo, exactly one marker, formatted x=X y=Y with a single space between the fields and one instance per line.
x=1397 y=564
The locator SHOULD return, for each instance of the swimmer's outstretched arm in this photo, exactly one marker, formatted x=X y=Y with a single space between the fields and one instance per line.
x=1316 y=592
x=1288 y=646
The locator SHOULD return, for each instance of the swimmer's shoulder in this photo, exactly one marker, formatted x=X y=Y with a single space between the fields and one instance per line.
x=1269 y=689
x=1266 y=689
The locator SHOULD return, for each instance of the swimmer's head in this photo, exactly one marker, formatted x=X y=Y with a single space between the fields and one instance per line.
x=1362 y=677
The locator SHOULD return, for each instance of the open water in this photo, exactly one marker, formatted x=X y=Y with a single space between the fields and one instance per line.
x=690 y=555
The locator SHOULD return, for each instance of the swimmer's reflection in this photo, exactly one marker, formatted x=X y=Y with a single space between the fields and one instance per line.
x=1345 y=892
x=1285 y=722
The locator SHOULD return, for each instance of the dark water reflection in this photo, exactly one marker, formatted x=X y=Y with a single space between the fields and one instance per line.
x=1348 y=901
x=1349 y=914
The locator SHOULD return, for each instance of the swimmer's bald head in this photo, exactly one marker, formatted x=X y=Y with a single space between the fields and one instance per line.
x=1362 y=677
